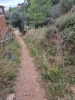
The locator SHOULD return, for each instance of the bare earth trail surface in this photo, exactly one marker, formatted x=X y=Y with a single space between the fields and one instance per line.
x=28 y=86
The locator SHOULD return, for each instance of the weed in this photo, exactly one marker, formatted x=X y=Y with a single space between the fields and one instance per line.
x=11 y=77
x=55 y=75
x=12 y=90
x=27 y=40
x=48 y=33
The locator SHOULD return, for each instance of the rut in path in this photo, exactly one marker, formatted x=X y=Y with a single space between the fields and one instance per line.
x=27 y=84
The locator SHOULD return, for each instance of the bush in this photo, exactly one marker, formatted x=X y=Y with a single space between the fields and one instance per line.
x=67 y=22
x=73 y=2
x=48 y=33
x=56 y=11
x=54 y=2
x=8 y=22
x=66 y=5
x=7 y=15
x=16 y=21
x=60 y=8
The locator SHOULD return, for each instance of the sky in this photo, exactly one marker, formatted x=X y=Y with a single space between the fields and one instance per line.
x=10 y=3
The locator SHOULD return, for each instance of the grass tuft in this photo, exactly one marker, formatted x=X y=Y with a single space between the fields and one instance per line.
x=11 y=77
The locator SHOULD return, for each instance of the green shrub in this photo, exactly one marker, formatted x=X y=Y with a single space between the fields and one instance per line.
x=73 y=2
x=66 y=5
x=7 y=22
x=55 y=11
x=58 y=89
x=48 y=33
x=12 y=90
x=66 y=23
x=11 y=77
x=7 y=15
x=17 y=21
x=54 y=75
x=54 y=2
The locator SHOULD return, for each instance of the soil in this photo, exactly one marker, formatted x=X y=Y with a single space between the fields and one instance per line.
x=28 y=83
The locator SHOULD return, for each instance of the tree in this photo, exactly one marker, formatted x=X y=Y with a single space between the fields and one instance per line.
x=17 y=21
x=39 y=11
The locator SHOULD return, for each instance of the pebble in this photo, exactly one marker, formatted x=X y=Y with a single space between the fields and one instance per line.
x=10 y=97
x=25 y=94
x=37 y=90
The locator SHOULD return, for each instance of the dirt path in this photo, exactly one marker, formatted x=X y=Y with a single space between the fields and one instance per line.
x=28 y=81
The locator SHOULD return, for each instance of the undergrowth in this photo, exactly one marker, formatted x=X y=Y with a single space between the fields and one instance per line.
x=8 y=66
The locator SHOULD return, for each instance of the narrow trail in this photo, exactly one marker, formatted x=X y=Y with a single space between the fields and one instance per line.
x=28 y=86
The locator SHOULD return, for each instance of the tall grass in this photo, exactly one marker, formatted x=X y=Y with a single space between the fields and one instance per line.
x=8 y=67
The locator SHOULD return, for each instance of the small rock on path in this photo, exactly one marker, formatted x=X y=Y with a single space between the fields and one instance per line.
x=10 y=97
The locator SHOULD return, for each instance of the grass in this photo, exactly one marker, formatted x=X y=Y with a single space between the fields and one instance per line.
x=57 y=79
x=8 y=66
x=12 y=90
x=11 y=77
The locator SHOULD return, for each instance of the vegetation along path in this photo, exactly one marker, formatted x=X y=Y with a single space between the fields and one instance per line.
x=28 y=86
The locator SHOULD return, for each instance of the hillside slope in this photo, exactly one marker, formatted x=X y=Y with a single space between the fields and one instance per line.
x=54 y=53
